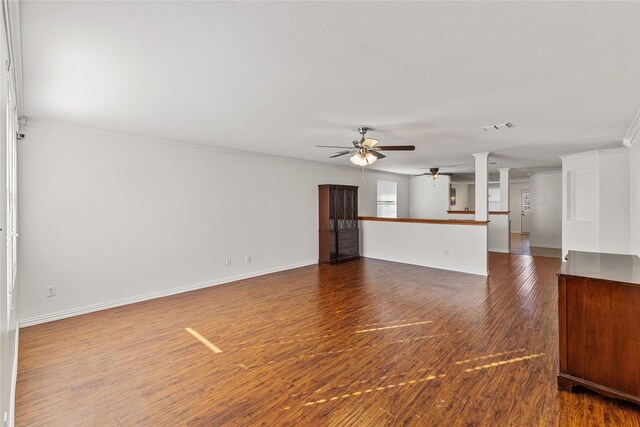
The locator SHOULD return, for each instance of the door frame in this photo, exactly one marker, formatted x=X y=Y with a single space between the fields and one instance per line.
x=522 y=210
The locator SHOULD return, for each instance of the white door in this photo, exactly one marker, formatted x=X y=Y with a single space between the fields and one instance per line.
x=526 y=211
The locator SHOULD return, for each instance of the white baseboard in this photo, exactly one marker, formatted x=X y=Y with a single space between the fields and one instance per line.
x=545 y=245
x=144 y=297
x=502 y=251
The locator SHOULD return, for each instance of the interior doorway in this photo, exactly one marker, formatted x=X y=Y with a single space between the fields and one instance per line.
x=521 y=242
x=525 y=211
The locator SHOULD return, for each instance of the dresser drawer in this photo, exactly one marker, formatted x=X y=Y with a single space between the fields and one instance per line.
x=348 y=251
x=347 y=240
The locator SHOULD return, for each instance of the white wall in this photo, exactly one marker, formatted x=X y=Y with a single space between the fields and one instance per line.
x=596 y=201
x=634 y=200
x=494 y=197
x=515 y=204
x=462 y=197
x=499 y=237
x=449 y=246
x=580 y=229
x=109 y=219
x=546 y=210
x=614 y=201
x=429 y=197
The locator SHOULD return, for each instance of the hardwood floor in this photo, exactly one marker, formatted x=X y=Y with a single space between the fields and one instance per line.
x=520 y=244
x=363 y=343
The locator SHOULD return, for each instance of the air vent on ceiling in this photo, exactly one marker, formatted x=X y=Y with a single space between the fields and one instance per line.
x=498 y=126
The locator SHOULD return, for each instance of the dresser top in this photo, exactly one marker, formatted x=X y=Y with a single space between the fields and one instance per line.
x=614 y=267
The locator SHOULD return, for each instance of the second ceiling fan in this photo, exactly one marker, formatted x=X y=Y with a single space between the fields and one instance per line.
x=365 y=150
x=434 y=172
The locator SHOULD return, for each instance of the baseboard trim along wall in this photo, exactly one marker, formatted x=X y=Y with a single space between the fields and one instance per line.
x=153 y=295
x=499 y=250
x=545 y=245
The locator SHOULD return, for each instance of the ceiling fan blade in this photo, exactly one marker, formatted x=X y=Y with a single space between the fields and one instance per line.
x=448 y=166
x=438 y=174
x=357 y=142
x=332 y=146
x=342 y=153
x=378 y=155
x=369 y=142
x=396 y=147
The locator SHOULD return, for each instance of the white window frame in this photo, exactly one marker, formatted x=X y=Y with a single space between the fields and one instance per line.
x=384 y=206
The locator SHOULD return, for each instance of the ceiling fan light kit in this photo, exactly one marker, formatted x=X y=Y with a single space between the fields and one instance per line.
x=361 y=159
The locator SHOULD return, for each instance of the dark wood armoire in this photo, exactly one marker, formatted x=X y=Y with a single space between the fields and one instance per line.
x=339 y=232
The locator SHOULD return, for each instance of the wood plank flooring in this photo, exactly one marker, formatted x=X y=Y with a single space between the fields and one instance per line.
x=520 y=245
x=366 y=343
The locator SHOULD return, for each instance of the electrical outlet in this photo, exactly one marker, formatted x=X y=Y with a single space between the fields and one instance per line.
x=51 y=291
x=248 y=259
x=228 y=262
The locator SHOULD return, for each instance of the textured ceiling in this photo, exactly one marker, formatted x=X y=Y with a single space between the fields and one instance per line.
x=280 y=78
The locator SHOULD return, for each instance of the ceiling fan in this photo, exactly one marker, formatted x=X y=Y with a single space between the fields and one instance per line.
x=434 y=172
x=365 y=150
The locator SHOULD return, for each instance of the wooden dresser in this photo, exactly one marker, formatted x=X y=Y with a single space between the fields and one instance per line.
x=599 y=324
x=339 y=232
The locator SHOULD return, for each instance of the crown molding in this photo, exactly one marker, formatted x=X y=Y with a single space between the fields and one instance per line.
x=630 y=137
x=604 y=151
x=33 y=122
x=549 y=172
x=519 y=180
x=611 y=151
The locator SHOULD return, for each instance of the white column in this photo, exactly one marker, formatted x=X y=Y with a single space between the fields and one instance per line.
x=482 y=186
x=504 y=188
